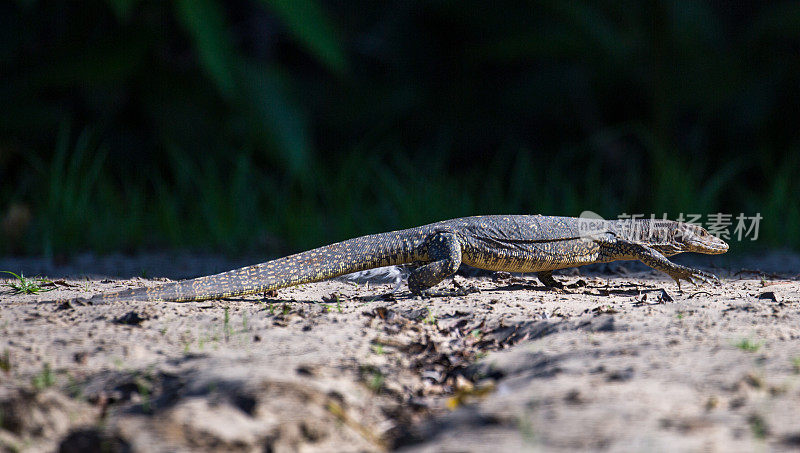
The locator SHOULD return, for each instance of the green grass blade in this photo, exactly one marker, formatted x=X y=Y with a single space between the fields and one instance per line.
x=205 y=22
x=310 y=25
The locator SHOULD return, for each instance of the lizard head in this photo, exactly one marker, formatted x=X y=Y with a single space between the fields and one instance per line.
x=680 y=237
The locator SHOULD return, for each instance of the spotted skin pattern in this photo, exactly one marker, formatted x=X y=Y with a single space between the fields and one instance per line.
x=514 y=243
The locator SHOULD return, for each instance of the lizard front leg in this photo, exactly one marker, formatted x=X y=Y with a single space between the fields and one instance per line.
x=622 y=249
x=444 y=252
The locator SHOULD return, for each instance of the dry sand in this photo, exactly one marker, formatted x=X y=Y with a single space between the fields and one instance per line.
x=609 y=363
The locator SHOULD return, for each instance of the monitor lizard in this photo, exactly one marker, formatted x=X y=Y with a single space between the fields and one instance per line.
x=511 y=243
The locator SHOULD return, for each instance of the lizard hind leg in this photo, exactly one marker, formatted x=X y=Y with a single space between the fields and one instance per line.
x=444 y=253
x=547 y=279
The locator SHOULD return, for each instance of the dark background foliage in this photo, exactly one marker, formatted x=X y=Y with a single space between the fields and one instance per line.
x=277 y=125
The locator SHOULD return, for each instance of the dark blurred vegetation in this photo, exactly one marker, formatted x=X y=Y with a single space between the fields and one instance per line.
x=277 y=125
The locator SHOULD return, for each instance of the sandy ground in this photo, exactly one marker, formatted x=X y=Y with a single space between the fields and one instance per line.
x=620 y=360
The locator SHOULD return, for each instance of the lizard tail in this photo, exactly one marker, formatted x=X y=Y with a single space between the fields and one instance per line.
x=366 y=252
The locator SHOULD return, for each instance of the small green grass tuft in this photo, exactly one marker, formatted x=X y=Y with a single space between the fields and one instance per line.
x=27 y=285
x=796 y=365
x=5 y=361
x=376 y=383
x=44 y=378
x=143 y=386
x=268 y=307
x=431 y=318
x=746 y=344
x=372 y=377
x=226 y=325
x=758 y=426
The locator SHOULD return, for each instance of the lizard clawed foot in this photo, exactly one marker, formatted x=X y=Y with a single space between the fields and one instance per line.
x=693 y=276
x=549 y=281
x=555 y=284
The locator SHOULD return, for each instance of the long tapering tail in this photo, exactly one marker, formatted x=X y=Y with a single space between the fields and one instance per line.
x=366 y=252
